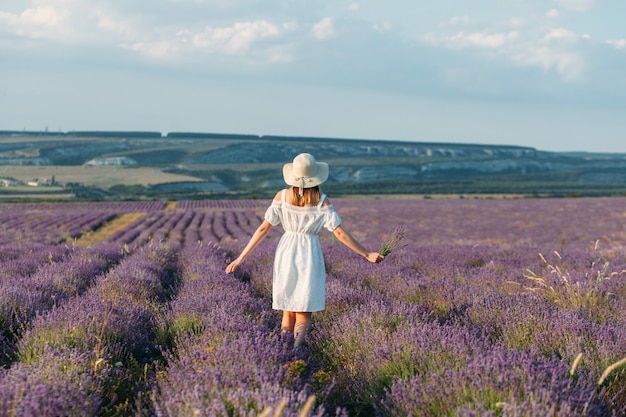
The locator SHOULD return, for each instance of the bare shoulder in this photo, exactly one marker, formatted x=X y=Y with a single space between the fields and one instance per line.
x=326 y=202
x=278 y=196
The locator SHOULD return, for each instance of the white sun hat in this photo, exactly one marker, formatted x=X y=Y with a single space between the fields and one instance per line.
x=305 y=171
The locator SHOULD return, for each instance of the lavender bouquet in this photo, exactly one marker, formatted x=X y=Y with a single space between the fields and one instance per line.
x=392 y=240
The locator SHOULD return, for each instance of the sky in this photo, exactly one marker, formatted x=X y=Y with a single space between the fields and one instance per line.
x=545 y=74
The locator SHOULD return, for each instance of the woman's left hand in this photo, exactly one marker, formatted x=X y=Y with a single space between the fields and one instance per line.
x=232 y=266
x=374 y=257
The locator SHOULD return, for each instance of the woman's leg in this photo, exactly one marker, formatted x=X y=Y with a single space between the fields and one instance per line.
x=289 y=322
x=301 y=327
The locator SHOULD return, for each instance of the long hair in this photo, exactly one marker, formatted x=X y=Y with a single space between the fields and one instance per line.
x=310 y=196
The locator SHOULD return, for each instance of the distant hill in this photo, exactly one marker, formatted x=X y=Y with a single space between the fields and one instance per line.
x=250 y=166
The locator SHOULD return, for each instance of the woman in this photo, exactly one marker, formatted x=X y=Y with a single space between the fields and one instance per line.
x=299 y=276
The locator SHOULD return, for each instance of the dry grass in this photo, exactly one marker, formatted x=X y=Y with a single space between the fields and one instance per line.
x=101 y=177
x=568 y=293
x=610 y=369
x=35 y=196
x=304 y=411
x=118 y=223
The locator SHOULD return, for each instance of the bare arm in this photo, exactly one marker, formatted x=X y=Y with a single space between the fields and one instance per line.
x=260 y=234
x=346 y=238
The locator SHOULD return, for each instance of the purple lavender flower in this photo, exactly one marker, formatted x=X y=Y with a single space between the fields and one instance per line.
x=392 y=240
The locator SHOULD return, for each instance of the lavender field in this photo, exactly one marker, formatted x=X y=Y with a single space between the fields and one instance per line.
x=512 y=307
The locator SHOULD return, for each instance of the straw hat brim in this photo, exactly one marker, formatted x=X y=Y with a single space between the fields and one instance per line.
x=321 y=175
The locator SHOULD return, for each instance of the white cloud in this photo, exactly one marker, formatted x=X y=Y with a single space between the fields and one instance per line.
x=103 y=22
x=161 y=50
x=561 y=34
x=324 y=29
x=44 y=16
x=617 y=43
x=476 y=39
x=37 y=22
x=70 y=21
x=235 y=39
x=570 y=65
x=555 y=49
x=355 y=7
x=577 y=5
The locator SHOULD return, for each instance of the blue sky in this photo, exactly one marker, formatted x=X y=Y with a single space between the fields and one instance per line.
x=547 y=74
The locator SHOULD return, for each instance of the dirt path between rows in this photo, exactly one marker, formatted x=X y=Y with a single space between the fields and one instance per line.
x=118 y=223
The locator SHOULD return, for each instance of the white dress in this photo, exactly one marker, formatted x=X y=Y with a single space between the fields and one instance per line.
x=299 y=277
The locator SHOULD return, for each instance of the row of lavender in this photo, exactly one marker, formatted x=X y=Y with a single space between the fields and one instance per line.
x=116 y=206
x=90 y=353
x=49 y=227
x=27 y=232
x=229 y=358
x=468 y=305
x=175 y=228
x=133 y=206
